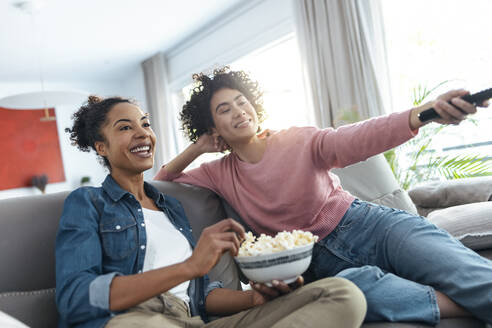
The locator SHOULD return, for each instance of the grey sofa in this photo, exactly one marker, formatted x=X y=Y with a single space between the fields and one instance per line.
x=27 y=238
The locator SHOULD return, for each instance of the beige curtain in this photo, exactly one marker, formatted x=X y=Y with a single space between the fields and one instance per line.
x=160 y=108
x=344 y=58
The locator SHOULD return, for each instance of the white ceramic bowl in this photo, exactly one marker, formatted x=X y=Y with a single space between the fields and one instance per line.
x=285 y=265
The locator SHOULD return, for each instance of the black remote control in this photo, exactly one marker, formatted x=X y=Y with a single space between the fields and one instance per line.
x=476 y=98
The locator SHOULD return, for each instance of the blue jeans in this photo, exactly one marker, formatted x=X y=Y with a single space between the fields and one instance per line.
x=397 y=259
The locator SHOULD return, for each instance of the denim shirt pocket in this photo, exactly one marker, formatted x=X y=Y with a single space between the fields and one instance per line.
x=119 y=237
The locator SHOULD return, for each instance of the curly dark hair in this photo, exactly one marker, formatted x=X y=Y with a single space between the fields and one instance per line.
x=89 y=119
x=196 y=117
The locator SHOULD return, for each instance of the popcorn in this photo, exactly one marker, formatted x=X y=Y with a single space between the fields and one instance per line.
x=284 y=240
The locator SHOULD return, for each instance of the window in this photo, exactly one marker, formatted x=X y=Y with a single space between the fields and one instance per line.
x=429 y=42
x=277 y=68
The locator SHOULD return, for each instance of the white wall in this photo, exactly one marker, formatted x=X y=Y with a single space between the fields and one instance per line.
x=67 y=98
x=103 y=88
x=234 y=35
x=134 y=87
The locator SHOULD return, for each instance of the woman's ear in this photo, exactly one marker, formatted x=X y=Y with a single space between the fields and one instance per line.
x=100 y=148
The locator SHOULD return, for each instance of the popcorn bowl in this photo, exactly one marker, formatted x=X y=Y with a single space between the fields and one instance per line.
x=284 y=266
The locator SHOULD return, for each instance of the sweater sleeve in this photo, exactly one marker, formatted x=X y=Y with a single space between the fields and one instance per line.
x=357 y=142
x=200 y=176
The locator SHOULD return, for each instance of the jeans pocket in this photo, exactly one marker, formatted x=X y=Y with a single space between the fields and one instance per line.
x=119 y=237
x=357 y=211
x=351 y=240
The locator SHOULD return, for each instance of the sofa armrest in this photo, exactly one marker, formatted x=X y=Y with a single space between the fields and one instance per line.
x=442 y=194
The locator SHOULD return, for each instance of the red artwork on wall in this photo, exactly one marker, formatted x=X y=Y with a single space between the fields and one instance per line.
x=30 y=147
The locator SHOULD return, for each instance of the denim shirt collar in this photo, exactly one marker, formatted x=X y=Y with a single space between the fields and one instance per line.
x=116 y=193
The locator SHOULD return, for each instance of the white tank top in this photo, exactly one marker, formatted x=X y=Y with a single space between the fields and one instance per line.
x=165 y=246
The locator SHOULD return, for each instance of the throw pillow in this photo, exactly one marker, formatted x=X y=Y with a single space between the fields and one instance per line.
x=452 y=192
x=471 y=223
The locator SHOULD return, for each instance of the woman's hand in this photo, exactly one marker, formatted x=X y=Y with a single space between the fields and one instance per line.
x=262 y=293
x=452 y=113
x=209 y=143
x=214 y=241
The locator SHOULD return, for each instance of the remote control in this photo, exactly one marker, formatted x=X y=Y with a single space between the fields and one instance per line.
x=476 y=98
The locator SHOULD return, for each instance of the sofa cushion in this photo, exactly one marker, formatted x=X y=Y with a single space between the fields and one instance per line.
x=470 y=223
x=396 y=199
x=444 y=323
x=34 y=308
x=441 y=194
x=372 y=180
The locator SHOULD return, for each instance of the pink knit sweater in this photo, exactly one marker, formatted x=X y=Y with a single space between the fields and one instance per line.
x=291 y=187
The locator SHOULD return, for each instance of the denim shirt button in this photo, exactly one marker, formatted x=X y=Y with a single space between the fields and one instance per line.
x=118 y=227
x=140 y=210
x=180 y=229
x=142 y=247
x=142 y=224
x=139 y=271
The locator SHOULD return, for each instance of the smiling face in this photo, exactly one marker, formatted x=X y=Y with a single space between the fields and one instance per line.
x=234 y=117
x=129 y=141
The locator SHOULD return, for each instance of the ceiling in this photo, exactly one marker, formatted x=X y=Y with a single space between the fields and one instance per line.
x=94 y=40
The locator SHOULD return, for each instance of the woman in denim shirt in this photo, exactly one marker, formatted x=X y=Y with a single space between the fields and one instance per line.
x=125 y=255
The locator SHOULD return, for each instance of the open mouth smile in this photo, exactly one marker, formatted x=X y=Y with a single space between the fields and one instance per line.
x=143 y=151
x=242 y=124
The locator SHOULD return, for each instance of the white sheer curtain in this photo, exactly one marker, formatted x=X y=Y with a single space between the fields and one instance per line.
x=160 y=108
x=344 y=57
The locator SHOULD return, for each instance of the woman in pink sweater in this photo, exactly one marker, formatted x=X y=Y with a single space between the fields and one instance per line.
x=408 y=269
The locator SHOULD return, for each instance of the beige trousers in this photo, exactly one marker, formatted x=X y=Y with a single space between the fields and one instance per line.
x=330 y=302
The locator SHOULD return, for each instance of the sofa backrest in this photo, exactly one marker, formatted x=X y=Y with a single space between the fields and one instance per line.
x=27 y=241
x=203 y=208
x=27 y=253
x=372 y=180
x=28 y=228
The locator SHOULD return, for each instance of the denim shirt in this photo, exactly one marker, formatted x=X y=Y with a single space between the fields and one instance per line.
x=101 y=235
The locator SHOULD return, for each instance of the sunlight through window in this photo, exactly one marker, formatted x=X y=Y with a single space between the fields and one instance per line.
x=429 y=42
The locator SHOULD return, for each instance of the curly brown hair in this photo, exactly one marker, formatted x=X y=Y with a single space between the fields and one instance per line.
x=196 y=117
x=89 y=119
